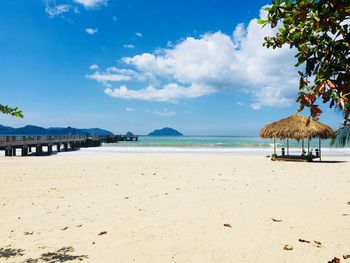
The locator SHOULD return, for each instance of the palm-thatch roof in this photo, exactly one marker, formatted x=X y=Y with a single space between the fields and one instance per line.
x=296 y=127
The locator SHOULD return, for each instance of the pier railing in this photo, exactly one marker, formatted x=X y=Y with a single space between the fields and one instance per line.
x=25 y=140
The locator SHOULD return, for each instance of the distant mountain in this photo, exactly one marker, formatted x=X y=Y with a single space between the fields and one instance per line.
x=31 y=129
x=165 y=132
x=70 y=130
x=97 y=131
x=36 y=130
x=129 y=133
x=6 y=129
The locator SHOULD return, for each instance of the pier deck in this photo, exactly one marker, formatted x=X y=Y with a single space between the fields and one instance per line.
x=10 y=144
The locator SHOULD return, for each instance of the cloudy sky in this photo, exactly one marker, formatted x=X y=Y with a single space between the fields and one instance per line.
x=194 y=65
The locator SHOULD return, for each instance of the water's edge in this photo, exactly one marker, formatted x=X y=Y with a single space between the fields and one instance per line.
x=196 y=150
x=238 y=145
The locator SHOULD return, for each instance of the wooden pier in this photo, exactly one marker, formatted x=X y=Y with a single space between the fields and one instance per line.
x=35 y=145
x=121 y=138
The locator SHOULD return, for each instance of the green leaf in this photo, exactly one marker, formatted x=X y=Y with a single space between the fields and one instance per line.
x=11 y=111
x=261 y=22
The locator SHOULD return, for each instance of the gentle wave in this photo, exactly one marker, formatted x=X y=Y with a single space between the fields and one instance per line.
x=206 y=145
x=212 y=142
x=164 y=150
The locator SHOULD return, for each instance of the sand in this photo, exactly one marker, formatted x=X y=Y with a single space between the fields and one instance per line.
x=172 y=208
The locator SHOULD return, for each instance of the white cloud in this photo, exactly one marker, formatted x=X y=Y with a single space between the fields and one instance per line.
x=130 y=109
x=216 y=62
x=169 y=93
x=164 y=112
x=255 y=106
x=128 y=46
x=91 y=31
x=114 y=74
x=90 y=4
x=94 y=67
x=105 y=77
x=138 y=34
x=238 y=34
x=53 y=9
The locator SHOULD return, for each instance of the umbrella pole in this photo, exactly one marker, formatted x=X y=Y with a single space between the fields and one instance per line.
x=287 y=146
x=308 y=146
x=302 y=147
x=319 y=147
x=274 y=145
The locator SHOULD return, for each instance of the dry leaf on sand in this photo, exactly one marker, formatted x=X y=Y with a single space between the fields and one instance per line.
x=287 y=247
x=276 y=220
x=334 y=260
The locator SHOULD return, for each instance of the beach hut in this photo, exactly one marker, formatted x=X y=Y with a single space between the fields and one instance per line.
x=297 y=127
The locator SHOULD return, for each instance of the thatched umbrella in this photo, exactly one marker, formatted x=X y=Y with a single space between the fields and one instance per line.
x=297 y=127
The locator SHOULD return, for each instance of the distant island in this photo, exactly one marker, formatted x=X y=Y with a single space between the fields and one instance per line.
x=129 y=133
x=36 y=130
x=165 y=132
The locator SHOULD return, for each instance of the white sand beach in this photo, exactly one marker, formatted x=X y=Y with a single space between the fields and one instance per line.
x=172 y=208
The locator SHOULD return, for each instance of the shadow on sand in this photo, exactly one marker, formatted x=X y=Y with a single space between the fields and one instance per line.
x=7 y=253
x=61 y=255
x=330 y=162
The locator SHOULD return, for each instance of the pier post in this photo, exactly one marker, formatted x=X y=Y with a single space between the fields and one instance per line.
x=58 y=147
x=8 y=151
x=49 y=148
x=65 y=146
x=24 y=150
x=14 y=151
x=38 y=150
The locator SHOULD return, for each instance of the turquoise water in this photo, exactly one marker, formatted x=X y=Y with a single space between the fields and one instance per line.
x=212 y=142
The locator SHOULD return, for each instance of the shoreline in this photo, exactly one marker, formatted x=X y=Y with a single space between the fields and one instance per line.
x=120 y=150
x=110 y=151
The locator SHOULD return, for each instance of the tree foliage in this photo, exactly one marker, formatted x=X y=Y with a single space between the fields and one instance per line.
x=320 y=31
x=16 y=112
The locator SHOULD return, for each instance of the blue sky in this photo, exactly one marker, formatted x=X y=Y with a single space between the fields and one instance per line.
x=197 y=66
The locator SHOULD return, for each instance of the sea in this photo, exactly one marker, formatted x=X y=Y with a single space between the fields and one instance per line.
x=239 y=145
